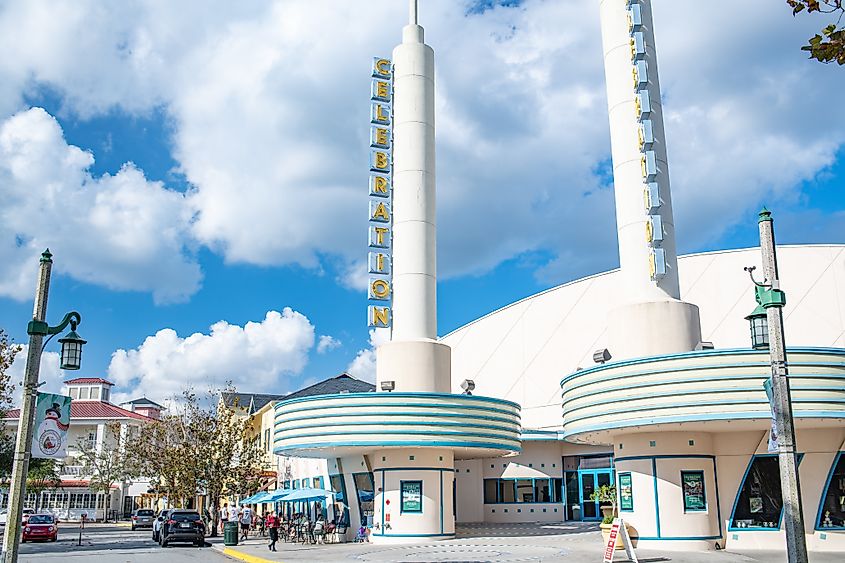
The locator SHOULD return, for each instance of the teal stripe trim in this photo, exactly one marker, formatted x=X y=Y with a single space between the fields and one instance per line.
x=764 y=366
x=703 y=391
x=414 y=469
x=414 y=443
x=656 y=499
x=414 y=535
x=703 y=417
x=408 y=395
x=706 y=353
x=385 y=404
x=678 y=538
x=731 y=377
x=762 y=401
x=399 y=413
x=513 y=438
x=345 y=423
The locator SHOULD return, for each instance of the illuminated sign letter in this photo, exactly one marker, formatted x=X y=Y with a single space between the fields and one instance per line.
x=379 y=289
x=379 y=161
x=379 y=237
x=380 y=137
x=378 y=262
x=379 y=317
x=381 y=68
x=381 y=90
x=380 y=114
x=379 y=186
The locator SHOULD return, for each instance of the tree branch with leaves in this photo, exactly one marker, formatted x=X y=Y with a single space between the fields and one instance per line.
x=829 y=45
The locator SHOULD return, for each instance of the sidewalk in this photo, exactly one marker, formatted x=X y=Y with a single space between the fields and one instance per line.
x=494 y=543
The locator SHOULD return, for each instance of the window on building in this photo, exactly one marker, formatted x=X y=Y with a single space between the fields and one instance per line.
x=832 y=511
x=506 y=491
x=73 y=392
x=286 y=485
x=524 y=490
x=366 y=493
x=318 y=482
x=95 y=392
x=557 y=490
x=542 y=491
x=759 y=503
x=84 y=393
x=490 y=488
x=106 y=393
x=92 y=439
x=267 y=439
x=341 y=511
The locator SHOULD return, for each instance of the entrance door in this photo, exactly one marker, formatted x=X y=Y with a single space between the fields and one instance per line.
x=589 y=481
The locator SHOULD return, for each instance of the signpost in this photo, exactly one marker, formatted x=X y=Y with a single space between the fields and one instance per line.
x=616 y=531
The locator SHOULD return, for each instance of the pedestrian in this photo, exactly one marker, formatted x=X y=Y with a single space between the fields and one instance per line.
x=273 y=528
x=246 y=520
x=224 y=516
x=233 y=513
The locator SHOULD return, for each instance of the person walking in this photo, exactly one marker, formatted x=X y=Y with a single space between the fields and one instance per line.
x=246 y=521
x=273 y=529
x=224 y=516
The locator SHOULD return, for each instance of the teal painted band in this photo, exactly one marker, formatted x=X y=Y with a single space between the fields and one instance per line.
x=400 y=413
x=393 y=423
x=695 y=418
x=705 y=353
x=406 y=395
x=514 y=438
x=414 y=469
x=440 y=406
x=732 y=377
x=677 y=538
x=702 y=391
x=764 y=366
x=666 y=456
x=658 y=407
x=404 y=443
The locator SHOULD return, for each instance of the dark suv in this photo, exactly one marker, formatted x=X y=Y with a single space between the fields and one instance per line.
x=183 y=526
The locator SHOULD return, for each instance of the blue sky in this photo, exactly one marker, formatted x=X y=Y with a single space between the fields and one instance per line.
x=247 y=188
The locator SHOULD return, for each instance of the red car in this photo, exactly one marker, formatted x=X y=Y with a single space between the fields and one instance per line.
x=41 y=527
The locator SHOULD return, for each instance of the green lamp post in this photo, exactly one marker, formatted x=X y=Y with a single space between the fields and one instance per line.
x=71 y=358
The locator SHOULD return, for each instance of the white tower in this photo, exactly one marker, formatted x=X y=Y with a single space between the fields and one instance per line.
x=653 y=320
x=414 y=360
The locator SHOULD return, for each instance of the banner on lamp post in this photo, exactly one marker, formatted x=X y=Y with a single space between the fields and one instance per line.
x=52 y=418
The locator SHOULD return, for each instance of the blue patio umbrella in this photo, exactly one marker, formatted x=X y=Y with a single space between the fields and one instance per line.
x=306 y=494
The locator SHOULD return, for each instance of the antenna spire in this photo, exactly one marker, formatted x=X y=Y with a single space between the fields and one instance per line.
x=413 y=13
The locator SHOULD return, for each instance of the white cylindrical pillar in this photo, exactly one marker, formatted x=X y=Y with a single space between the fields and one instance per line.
x=414 y=232
x=633 y=210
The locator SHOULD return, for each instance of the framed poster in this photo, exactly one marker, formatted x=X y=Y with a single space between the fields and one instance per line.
x=692 y=484
x=626 y=493
x=411 y=494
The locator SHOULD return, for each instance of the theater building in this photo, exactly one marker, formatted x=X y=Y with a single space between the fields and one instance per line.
x=644 y=377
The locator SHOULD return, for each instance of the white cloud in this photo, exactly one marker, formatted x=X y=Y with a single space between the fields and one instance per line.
x=120 y=231
x=327 y=343
x=270 y=124
x=254 y=357
x=364 y=364
x=49 y=373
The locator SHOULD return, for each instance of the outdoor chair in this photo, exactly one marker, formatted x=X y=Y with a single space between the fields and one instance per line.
x=339 y=533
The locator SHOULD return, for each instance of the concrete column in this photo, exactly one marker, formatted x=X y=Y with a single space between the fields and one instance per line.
x=653 y=320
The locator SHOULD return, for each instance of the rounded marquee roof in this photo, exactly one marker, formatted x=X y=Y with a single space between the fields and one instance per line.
x=521 y=352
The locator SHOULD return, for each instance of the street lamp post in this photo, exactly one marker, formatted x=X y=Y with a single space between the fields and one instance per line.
x=71 y=356
x=772 y=299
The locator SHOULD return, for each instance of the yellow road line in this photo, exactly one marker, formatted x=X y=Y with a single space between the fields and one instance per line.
x=234 y=553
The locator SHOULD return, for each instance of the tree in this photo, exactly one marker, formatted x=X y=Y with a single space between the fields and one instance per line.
x=829 y=45
x=202 y=447
x=606 y=494
x=8 y=351
x=109 y=461
x=43 y=474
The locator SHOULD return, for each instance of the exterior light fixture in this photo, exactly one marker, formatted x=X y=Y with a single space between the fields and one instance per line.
x=388 y=386
x=601 y=356
x=759 y=328
x=767 y=295
x=71 y=348
x=468 y=385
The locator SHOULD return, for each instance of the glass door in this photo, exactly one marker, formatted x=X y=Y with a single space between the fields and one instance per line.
x=589 y=508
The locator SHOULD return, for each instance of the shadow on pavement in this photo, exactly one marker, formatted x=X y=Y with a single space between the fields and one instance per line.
x=488 y=530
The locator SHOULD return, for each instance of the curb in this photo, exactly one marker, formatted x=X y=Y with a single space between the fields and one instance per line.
x=247 y=558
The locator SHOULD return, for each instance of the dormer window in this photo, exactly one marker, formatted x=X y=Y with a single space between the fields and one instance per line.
x=89 y=389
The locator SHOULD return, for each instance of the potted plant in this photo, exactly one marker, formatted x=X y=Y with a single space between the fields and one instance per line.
x=606 y=497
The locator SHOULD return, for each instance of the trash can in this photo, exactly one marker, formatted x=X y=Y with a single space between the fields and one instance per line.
x=230 y=533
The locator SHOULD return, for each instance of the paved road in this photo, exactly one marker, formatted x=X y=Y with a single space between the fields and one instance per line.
x=113 y=544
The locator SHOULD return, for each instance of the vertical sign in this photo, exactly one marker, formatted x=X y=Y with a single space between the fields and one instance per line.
x=692 y=483
x=379 y=257
x=52 y=418
x=646 y=140
x=626 y=493
x=411 y=493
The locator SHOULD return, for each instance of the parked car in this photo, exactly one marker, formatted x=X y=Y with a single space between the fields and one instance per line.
x=41 y=527
x=143 y=518
x=183 y=525
x=27 y=512
x=158 y=522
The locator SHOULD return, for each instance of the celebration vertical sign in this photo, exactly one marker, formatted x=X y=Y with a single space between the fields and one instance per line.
x=645 y=134
x=379 y=291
